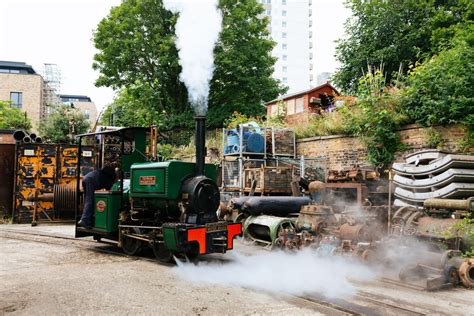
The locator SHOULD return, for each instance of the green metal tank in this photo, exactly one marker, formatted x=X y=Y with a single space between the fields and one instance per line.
x=163 y=180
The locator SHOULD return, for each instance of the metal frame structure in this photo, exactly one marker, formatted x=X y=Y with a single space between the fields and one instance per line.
x=82 y=232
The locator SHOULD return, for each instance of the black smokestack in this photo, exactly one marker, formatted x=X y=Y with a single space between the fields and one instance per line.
x=200 y=144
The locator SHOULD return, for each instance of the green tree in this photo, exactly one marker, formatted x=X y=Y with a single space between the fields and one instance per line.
x=63 y=123
x=12 y=117
x=137 y=51
x=440 y=91
x=244 y=66
x=137 y=54
x=128 y=110
x=394 y=33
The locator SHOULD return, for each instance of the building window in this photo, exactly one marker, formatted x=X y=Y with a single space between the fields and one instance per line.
x=284 y=57
x=17 y=99
x=283 y=12
x=283 y=24
x=285 y=80
x=283 y=2
x=268 y=12
x=283 y=35
x=11 y=71
x=269 y=1
x=285 y=69
x=87 y=114
x=274 y=109
x=284 y=46
x=299 y=105
x=290 y=107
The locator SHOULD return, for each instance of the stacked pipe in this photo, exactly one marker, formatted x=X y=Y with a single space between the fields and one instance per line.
x=22 y=136
x=433 y=174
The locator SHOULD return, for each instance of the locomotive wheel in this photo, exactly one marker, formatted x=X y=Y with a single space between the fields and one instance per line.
x=161 y=253
x=132 y=246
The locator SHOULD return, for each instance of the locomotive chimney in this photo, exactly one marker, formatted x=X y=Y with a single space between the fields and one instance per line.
x=200 y=144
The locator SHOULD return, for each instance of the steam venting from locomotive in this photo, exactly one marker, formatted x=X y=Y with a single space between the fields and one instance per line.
x=296 y=273
x=197 y=31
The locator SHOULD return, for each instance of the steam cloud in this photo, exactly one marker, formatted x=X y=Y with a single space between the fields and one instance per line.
x=197 y=31
x=297 y=273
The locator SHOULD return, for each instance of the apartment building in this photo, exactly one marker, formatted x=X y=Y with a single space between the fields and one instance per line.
x=290 y=29
x=23 y=87
x=83 y=103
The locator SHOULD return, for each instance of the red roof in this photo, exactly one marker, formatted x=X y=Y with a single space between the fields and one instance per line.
x=297 y=94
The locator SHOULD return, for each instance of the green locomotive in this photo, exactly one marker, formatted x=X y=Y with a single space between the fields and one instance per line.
x=169 y=206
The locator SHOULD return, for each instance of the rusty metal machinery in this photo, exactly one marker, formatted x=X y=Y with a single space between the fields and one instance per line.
x=64 y=197
x=265 y=229
x=438 y=269
x=466 y=272
x=414 y=222
x=316 y=218
x=450 y=204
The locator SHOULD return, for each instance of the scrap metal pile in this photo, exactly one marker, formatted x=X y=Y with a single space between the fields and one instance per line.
x=349 y=215
x=433 y=174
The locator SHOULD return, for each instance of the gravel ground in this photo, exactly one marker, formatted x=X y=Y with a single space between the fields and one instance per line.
x=41 y=275
x=48 y=279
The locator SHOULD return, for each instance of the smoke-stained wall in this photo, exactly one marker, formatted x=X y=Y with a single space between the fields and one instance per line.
x=344 y=152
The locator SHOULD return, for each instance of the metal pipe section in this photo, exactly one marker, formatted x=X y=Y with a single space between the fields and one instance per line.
x=38 y=140
x=200 y=144
x=19 y=134
x=275 y=205
x=451 y=204
x=27 y=139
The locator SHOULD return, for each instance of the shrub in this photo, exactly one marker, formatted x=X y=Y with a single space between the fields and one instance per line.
x=12 y=117
x=441 y=90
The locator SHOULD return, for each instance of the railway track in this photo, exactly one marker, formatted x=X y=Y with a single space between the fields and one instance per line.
x=360 y=304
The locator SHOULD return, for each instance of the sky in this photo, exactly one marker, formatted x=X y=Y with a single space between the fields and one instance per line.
x=329 y=17
x=60 y=32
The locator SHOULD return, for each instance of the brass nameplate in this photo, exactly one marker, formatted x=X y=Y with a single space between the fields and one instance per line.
x=147 y=180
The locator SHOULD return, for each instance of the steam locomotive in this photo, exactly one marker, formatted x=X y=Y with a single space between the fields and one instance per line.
x=169 y=206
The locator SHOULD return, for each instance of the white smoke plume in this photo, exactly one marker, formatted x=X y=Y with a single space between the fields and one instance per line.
x=296 y=273
x=197 y=31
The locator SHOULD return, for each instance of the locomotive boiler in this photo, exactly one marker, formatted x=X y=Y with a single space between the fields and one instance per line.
x=170 y=206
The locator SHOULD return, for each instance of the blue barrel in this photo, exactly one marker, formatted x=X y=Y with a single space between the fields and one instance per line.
x=255 y=143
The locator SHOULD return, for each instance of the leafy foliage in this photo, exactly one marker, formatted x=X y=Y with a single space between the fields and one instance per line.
x=128 y=110
x=441 y=90
x=238 y=118
x=328 y=123
x=12 y=117
x=396 y=33
x=62 y=124
x=380 y=118
x=137 y=54
x=244 y=65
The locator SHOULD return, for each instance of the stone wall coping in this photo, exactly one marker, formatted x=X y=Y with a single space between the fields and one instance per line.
x=310 y=139
x=403 y=128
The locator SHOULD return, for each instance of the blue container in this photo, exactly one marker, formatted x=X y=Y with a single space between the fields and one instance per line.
x=255 y=143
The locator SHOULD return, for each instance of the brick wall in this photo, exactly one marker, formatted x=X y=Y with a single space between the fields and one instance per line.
x=344 y=152
x=31 y=87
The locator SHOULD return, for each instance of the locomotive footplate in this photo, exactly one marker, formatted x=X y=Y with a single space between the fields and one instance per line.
x=210 y=238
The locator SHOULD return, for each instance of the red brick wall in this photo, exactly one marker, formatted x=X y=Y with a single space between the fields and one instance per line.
x=345 y=152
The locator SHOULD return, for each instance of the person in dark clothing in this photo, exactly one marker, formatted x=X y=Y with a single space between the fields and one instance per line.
x=95 y=180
